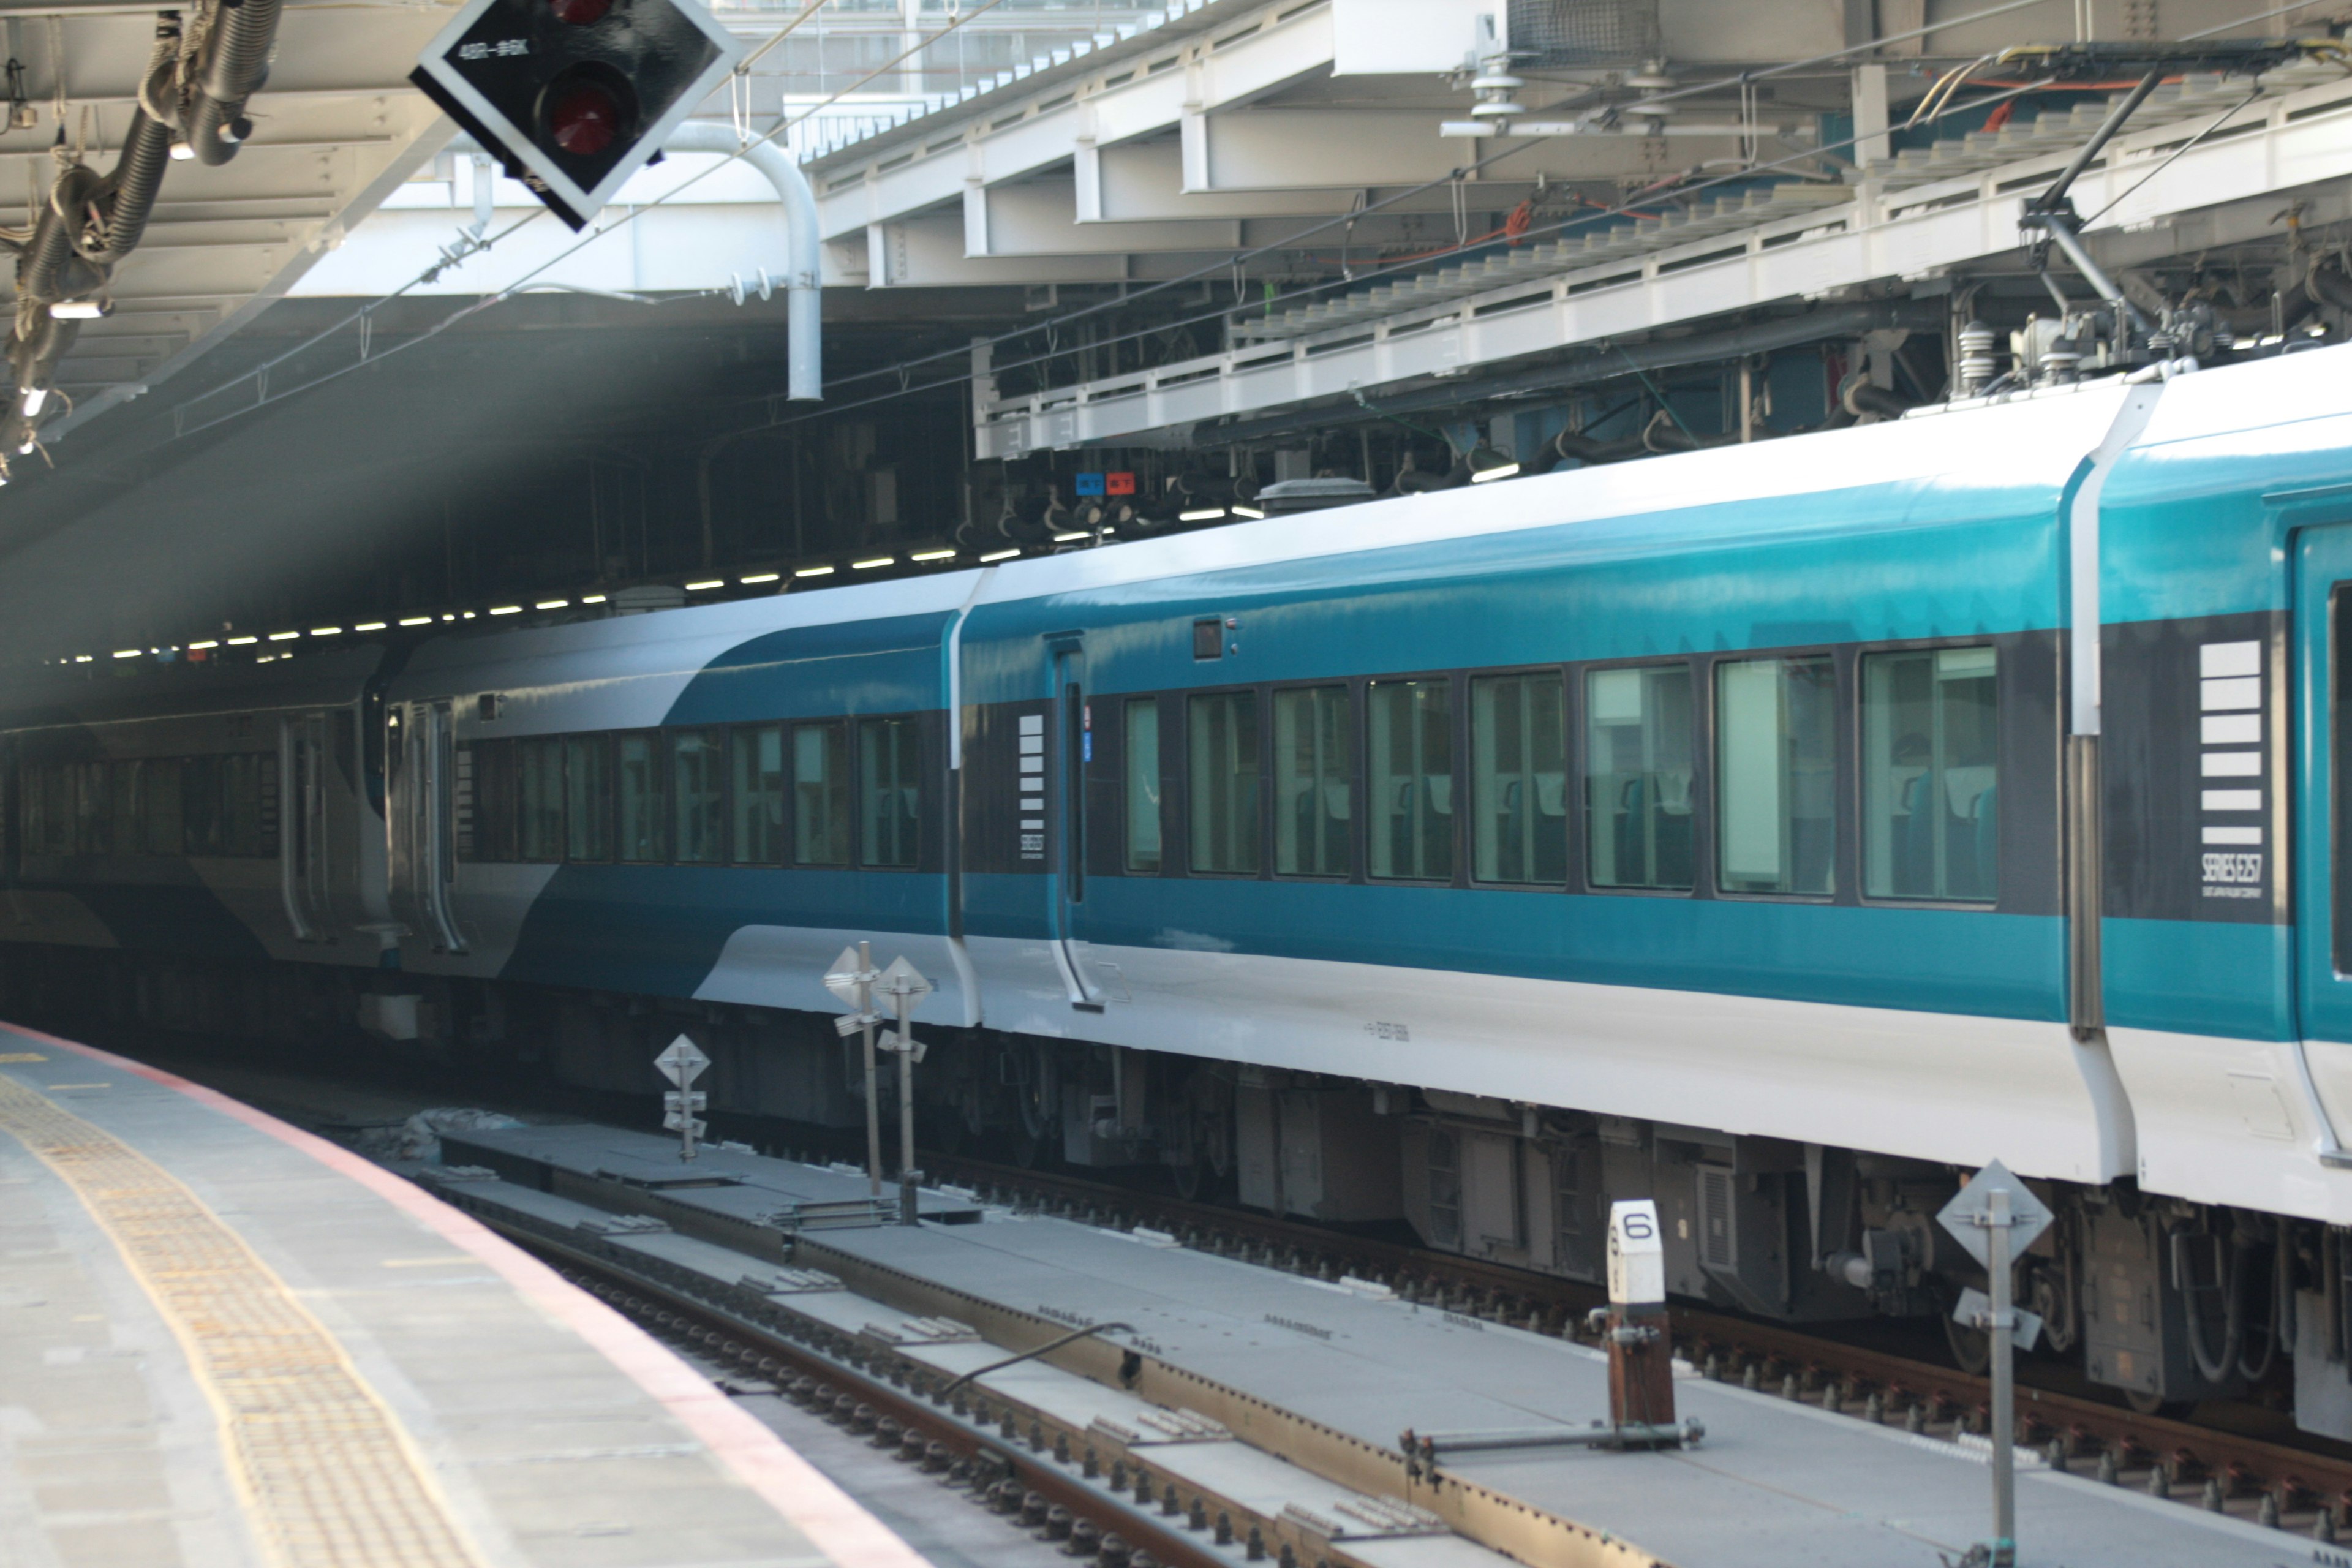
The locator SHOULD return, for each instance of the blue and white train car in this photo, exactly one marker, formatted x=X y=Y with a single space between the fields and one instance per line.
x=1779 y=831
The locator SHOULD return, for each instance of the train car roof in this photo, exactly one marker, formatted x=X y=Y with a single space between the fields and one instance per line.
x=2033 y=442
x=329 y=678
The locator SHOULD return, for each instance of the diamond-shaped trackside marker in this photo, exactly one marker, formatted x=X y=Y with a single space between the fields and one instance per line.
x=682 y=1063
x=574 y=96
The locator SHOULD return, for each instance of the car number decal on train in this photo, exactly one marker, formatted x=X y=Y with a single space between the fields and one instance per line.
x=2230 y=729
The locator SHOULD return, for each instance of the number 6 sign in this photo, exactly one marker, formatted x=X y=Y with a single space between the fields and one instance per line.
x=1637 y=1254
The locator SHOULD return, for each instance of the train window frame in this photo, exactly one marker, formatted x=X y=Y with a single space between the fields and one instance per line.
x=658 y=771
x=1455 y=731
x=840 y=790
x=603 y=805
x=862 y=785
x=1257 y=813
x=549 y=773
x=1154 y=792
x=719 y=754
x=1570 y=757
x=1351 y=755
x=1840 y=759
x=780 y=831
x=2004 y=671
x=1700 y=790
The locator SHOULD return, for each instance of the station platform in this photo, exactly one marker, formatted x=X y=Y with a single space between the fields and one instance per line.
x=226 y=1342
x=1329 y=1374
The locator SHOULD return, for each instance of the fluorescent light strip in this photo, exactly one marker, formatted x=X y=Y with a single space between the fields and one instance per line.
x=758 y=577
x=240 y=642
x=1073 y=534
x=126 y=653
x=1201 y=514
x=326 y=631
x=933 y=555
x=503 y=610
x=81 y=659
x=416 y=620
x=195 y=647
x=703 y=587
x=878 y=561
x=552 y=604
x=283 y=636
x=1001 y=554
x=369 y=626
x=1504 y=472
x=813 y=572
x=592 y=598
x=1251 y=512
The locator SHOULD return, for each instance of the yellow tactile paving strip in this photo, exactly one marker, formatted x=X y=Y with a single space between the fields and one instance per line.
x=326 y=1472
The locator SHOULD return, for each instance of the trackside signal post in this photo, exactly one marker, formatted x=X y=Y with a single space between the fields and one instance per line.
x=682 y=1063
x=856 y=981
x=1997 y=1218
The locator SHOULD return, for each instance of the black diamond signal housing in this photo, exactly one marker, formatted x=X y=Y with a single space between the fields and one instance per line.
x=574 y=96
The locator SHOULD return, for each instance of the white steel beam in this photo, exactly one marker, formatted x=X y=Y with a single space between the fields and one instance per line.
x=2290 y=143
x=1038 y=217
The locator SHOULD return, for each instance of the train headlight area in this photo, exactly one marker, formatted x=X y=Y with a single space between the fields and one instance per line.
x=1758 y=636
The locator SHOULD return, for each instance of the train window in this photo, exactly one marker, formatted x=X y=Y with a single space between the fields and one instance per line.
x=1143 y=730
x=495 y=800
x=249 y=803
x=759 y=795
x=94 y=821
x=1410 y=725
x=698 y=793
x=160 y=828
x=821 y=794
x=200 y=807
x=1775 y=809
x=890 y=790
x=122 y=833
x=1224 y=746
x=1637 y=778
x=639 y=767
x=1518 y=780
x=1929 y=806
x=588 y=797
x=1314 y=781
x=539 y=799
x=48 y=810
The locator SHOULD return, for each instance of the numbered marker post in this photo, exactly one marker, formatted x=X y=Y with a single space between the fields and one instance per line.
x=1641 y=1350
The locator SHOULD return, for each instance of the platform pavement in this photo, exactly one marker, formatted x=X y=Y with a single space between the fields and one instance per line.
x=225 y=1341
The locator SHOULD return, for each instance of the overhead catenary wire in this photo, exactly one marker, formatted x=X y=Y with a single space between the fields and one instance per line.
x=431 y=273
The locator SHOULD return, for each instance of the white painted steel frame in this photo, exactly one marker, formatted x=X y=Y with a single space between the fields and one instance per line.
x=1925 y=230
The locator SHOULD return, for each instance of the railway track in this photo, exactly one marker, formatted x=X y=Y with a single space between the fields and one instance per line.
x=2301 y=1487
x=863 y=1391
x=2286 y=1485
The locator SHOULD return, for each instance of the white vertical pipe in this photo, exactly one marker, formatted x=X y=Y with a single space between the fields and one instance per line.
x=803 y=301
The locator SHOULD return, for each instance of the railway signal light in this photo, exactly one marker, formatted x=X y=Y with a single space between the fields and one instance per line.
x=574 y=96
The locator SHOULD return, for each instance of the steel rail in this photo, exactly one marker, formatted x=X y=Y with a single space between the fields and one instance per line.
x=2195 y=1456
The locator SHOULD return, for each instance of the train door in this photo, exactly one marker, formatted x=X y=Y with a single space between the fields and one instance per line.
x=421 y=817
x=304 y=847
x=1073 y=750
x=2321 y=869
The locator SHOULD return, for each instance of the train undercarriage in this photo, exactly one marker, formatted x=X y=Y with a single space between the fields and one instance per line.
x=2165 y=1301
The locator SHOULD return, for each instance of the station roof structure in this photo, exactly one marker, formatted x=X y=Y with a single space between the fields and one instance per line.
x=1055 y=233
